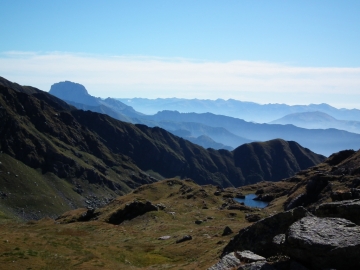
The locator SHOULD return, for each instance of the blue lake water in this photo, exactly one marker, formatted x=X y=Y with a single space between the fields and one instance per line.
x=249 y=201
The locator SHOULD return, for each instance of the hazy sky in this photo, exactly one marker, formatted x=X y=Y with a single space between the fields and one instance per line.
x=266 y=51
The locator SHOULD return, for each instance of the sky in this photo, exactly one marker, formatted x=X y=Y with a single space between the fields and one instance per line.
x=265 y=51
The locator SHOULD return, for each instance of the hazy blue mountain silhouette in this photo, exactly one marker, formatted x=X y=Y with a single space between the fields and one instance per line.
x=312 y=120
x=248 y=111
x=77 y=95
x=225 y=131
x=324 y=141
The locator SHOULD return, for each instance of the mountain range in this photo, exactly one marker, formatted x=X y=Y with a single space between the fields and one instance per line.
x=248 y=111
x=222 y=132
x=316 y=120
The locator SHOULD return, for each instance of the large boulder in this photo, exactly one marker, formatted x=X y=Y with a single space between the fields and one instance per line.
x=343 y=209
x=258 y=237
x=323 y=243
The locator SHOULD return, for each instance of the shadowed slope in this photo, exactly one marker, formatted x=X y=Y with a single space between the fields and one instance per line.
x=100 y=156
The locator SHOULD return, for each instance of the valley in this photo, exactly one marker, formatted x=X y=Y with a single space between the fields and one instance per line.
x=82 y=190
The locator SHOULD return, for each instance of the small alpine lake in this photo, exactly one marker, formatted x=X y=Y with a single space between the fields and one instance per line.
x=249 y=201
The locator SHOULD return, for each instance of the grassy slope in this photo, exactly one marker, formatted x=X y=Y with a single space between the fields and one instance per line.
x=133 y=244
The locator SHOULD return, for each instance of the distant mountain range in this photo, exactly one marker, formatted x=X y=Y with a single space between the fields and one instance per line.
x=222 y=132
x=248 y=111
x=313 y=120
x=324 y=141
x=55 y=157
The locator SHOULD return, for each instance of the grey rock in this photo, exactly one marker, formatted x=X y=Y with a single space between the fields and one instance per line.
x=258 y=237
x=343 y=209
x=184 y=238
x=261 y=265
x=323 y=243
x=165 y=237
x=279 y=239
x=248 y=256
x=230 y=261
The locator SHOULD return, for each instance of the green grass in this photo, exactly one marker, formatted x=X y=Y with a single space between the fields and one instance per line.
x=133 y=244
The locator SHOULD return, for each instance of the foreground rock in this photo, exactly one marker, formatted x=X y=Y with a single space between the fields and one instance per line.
x=344 y=209
x=258 y=237
x=323 y=243
x=249 y=257
x=227 y=262
x=244 y=259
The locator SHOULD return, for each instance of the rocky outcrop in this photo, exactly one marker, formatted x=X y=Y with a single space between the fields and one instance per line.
x=78 y=215
x=344 y=209
x=130 y=211
x=343 y=195
x=258 y=237
x=323 y=243
x=71 y=91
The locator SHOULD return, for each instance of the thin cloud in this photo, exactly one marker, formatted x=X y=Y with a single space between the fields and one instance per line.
x=152 y=77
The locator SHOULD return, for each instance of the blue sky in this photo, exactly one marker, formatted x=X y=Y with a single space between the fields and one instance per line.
x=294 y=52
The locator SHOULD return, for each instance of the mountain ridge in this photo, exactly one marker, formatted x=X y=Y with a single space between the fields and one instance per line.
x=249 y=111
x=230 y=131
x=319 y=140
x=311 y=120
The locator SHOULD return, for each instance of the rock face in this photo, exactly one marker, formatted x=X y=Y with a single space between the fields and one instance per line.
x=321 y=243
x=258 y=237
x=344 y=209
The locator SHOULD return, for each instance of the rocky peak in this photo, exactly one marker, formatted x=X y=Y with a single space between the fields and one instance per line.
x=74 y=92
